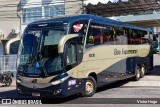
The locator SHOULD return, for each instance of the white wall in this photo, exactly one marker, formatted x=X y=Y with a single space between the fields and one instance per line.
x=8 y=18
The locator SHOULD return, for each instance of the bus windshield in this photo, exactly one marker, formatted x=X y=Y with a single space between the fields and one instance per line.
x=40 y=48
x=30 y=43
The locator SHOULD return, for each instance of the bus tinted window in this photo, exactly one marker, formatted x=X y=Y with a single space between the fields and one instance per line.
x=105 y=34
x=95 y=34
x=109 y=35
x=137 y=37
x=79 y=27
x=121 y=36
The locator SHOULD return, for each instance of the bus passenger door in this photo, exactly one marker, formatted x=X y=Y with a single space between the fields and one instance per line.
x=71 y=57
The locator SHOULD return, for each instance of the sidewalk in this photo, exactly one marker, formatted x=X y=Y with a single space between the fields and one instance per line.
x=13 y=82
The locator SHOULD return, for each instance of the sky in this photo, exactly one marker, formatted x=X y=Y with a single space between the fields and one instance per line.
x=102 y=1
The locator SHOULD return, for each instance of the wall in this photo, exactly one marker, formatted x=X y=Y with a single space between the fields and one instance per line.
x=8 y=18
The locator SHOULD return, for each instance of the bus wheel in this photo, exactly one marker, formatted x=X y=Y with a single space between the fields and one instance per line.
x=137 y=73
x=143 y=71
x=90 y=87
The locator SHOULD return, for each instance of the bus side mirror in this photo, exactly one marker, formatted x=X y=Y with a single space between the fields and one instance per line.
x=63 y=40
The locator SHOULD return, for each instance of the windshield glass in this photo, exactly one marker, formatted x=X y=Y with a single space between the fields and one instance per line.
x=50 y=59
x=30 y=42
x=39 y=50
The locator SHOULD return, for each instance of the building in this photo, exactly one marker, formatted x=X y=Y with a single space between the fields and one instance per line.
x=15 y=15
x=9 y=24
x=32 y=10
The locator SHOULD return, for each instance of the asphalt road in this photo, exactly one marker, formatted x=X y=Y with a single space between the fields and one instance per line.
x=144 y=91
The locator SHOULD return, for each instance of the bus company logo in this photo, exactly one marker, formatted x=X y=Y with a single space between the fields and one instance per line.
x=77 y=27
x=6 y=101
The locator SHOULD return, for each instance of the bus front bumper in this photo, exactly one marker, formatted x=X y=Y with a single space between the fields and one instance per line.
x=60 y=90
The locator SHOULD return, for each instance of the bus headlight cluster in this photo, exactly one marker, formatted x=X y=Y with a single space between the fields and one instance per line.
x=55 y=82
x=19 y=81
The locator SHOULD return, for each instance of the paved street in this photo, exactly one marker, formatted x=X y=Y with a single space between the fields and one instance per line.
x=147 y=87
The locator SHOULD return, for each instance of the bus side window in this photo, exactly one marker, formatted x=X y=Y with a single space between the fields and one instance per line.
x=121 y=36
x=80 y=28
x=109 y=35
x=95 y=34
x=130 y=36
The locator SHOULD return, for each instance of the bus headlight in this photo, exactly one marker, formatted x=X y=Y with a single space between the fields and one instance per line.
x=56 y=82
x=19 y=81
x=62 y=79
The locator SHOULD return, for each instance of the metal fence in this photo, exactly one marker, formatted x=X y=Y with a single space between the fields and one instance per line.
x=8 y=63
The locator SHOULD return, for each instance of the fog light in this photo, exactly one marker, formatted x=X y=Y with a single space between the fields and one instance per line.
x=57 y=91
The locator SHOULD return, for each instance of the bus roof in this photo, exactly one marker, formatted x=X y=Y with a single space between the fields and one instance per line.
x=71 y=19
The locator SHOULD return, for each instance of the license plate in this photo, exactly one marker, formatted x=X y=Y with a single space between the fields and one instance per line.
x=35 y=94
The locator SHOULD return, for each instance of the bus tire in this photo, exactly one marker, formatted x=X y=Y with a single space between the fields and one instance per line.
x=137 y=73
x=90 y=87
x=143 y=71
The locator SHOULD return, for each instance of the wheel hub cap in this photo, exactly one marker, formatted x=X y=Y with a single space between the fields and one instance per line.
x=89 y=87
x=143 y=70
